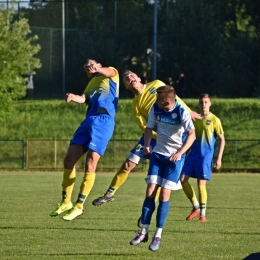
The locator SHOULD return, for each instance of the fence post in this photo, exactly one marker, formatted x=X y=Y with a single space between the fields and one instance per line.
x=55 y=154
x=115 y=155
x=236 y=152
x=27 y=155
x=24 y=154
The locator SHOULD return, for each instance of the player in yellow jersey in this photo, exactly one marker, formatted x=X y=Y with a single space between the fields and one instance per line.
x=198 y=163
x=145 y=97
x=92 y=136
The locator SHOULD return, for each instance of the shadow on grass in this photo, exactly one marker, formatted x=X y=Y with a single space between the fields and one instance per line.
x=135 y=230
x=72 y=229
x=83 y=254
x=254 y=256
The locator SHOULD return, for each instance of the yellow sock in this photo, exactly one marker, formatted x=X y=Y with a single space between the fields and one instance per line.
x=118 y=180
x=203 y=196
x=189 y=191
x=157 y=194
x=69 y=177
x=85 y=188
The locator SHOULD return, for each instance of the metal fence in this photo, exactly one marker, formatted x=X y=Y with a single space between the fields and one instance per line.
x=48 y=154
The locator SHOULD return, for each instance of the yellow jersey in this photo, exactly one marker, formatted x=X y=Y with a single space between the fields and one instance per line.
x=143 y=102
x=103 y=92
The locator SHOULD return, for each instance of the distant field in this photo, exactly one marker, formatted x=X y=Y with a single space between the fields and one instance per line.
x=27 y=231
x=57 y=119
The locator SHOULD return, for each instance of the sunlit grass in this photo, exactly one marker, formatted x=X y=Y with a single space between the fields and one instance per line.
x=27 y=231
x=56 y=119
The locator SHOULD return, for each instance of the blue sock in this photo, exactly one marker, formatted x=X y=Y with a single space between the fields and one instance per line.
x=162 y=213
x=147 y=211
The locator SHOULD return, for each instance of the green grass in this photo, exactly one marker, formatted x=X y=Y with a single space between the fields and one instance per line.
x=27 y=232
x=57 y=119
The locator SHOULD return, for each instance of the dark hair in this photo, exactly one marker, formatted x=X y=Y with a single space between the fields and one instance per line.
x=87 y=61
x=204 y=95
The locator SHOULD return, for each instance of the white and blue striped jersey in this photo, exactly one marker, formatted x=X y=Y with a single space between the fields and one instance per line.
x=171 y=128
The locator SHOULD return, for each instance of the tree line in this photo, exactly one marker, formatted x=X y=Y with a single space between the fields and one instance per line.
x=216 y=43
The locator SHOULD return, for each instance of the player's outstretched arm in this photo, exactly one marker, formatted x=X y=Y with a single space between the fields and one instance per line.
x=194 y=115
x=107 y=72
x=75 y=98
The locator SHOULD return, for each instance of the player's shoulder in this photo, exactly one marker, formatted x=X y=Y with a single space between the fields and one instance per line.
x=180 y=107
x=113 y=68
x=182 y=111
x=155 y=83
x=214 y=118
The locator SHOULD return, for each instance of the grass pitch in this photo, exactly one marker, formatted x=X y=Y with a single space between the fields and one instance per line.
x=27 y=231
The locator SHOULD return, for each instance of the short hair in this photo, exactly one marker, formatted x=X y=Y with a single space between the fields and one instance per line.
x=127 y=72
x=166 y=90
x=204 y=95
x=87 y=61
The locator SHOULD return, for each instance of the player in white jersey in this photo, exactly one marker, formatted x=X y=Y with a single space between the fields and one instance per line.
x=145 y=96
x=175 y=134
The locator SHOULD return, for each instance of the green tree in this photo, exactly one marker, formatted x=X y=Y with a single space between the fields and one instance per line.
x=239 y=26
x=17 y=53
x=193 y=46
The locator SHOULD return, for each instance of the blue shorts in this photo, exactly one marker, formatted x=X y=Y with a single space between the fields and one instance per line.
x=94 y=133
x=198 y=167
x=136 y=154
x=164 y=172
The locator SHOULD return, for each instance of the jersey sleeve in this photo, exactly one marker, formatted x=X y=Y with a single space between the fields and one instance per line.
x=187 y=121
x=218 y=127
x=116 y=77
x=180 y=101
x=141 y=120
x=151 y=119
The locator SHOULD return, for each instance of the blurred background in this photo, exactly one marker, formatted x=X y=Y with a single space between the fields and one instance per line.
x=215 y=44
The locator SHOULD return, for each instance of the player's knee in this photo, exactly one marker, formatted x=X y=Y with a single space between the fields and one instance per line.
x=128 y=165
x=151 y=192
x=164 y=194
x=90 y=167
x=184 y=179
x=68 y=162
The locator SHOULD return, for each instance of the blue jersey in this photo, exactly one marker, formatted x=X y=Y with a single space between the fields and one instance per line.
x=103 y=92
x=97 y=129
